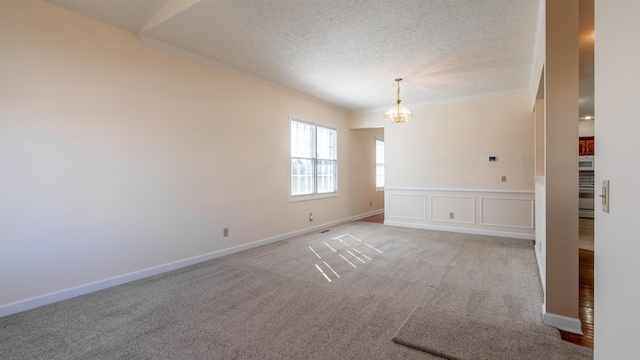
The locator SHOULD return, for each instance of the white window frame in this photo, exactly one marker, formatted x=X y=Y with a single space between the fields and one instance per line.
x=376 y=163
x=315 y=194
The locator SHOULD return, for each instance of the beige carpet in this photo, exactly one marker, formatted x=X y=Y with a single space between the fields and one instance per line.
x=340 y=294
x=453 y=336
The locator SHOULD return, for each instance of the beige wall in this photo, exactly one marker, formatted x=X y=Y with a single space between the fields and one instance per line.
x=119 y=157
x=617 y=234
x=438 y=164
x=367 y=119
x=447 y=145
x=561 y=168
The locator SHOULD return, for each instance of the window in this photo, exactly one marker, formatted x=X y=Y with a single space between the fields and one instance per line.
x=314 y=158
x=379 y=164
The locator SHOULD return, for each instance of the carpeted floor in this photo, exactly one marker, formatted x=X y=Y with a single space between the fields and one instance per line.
x=342 y=294
x=451 y=335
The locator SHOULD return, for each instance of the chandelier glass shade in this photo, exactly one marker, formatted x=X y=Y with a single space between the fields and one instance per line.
x=398 y=112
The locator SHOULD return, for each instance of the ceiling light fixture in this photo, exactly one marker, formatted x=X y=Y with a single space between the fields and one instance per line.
x=398 y=113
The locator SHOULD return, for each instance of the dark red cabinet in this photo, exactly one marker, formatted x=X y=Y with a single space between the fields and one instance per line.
x=586 y=146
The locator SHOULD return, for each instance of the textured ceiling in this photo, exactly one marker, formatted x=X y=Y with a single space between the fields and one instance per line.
x=347 y=53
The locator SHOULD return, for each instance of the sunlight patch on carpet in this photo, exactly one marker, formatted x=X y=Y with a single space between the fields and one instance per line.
x=347 y=252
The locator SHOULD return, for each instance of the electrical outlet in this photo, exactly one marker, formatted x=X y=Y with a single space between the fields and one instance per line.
x=450 y=215
x=225 y=232
x=370 y=203
x=504 y=178
x=310 y=216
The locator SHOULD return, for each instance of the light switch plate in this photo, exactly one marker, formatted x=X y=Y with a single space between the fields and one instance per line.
x=605 y=196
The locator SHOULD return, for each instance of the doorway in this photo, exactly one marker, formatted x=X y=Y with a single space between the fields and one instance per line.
x=586 y=131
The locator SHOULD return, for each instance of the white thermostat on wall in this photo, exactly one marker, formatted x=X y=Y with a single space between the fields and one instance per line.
x=492 y=159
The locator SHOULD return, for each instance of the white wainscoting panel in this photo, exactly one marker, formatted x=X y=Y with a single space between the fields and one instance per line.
x=453 y=209
x=516 y=213
x=507 y=213
x=406 y=206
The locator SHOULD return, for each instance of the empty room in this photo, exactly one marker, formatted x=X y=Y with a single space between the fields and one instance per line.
x=218 y=179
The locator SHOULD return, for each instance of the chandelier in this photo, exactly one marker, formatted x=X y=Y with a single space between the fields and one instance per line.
x=398 y=113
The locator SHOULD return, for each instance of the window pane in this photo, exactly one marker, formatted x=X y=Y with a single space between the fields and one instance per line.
x=302 y=176
x=327 y=143
x=379 y=152
x=326 y=176
x=379 y=175
x=302 y=140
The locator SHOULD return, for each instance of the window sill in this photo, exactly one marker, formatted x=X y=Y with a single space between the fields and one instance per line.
x=312 y=197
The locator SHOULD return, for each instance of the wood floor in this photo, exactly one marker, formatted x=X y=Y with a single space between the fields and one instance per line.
x=586 y=286
x=585 y=237
x=585 y=303
x=586 y=283
x=374 y=219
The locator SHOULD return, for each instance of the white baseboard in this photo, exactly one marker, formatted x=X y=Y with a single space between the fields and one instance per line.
x=561 y=322
x=370 y=213
x=69 y=293
x=463 y=230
